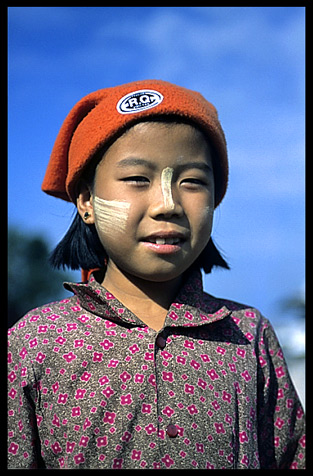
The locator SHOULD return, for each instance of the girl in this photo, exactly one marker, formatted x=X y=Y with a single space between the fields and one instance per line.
x=140 y=368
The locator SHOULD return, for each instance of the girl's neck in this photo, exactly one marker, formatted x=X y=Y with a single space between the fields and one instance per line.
x=148 y=300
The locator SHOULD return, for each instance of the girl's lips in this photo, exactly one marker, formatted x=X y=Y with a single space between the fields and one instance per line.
x=163 y=249
x=164 y=242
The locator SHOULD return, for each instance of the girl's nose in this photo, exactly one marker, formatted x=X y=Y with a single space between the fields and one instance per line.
x=163 y=202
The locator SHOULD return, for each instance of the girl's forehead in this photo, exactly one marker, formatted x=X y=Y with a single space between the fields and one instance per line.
x=158 y=141
x=165 y=127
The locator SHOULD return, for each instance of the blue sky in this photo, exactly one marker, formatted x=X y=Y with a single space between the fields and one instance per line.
x=248 y=61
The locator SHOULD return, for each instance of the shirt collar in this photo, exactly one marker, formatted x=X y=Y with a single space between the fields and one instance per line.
x=191 y=307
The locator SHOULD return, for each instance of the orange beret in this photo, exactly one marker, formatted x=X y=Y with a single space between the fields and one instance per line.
x=102 y=116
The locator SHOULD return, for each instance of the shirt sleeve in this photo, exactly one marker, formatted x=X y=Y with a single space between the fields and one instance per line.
x=281 y=420
x=23 y=441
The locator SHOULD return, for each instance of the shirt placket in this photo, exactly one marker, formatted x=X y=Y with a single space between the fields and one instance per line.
x=167 y=430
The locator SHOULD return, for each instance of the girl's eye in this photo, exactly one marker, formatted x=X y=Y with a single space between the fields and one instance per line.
x=193 y=183
x=137 y=180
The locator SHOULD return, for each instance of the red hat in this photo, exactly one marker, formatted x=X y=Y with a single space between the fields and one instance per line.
x=102 y=116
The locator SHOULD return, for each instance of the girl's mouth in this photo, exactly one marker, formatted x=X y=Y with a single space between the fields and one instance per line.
x=164 y=243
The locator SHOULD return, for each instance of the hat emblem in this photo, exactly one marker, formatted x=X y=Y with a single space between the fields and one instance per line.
x=138 y=101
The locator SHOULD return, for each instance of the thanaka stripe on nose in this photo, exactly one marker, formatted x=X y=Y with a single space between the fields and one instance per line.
x=166 y=185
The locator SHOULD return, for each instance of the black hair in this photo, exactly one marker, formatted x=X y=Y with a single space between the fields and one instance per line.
x=81 y=247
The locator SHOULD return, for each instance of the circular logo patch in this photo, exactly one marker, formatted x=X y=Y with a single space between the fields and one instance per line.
x=139 y=101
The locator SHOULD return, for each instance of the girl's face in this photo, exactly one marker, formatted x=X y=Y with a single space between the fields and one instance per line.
x=153 y=200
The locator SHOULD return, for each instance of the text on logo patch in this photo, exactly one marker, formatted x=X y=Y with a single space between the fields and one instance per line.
x=138 y=101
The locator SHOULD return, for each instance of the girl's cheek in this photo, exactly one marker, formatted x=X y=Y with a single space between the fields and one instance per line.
x=207 y=213
x=206 y=217
x=111 y=215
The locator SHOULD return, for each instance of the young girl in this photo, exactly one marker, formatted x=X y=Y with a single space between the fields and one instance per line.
x=140 y=368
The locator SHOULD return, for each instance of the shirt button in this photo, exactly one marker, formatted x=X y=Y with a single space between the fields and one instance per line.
x=160 y=342
x=172 y=431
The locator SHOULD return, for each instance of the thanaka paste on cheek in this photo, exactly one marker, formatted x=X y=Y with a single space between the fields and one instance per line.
x=111 y=215
x=208 y=211
x=207 y=215
x=166 y=185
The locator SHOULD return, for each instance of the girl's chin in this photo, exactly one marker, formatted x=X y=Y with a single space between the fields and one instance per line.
x=157 y=275
x=154 y=268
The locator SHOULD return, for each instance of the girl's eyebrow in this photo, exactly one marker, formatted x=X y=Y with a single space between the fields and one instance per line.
x=195 y=165
x=136 y=161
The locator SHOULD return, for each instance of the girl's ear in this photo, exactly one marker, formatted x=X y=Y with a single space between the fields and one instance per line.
x=84 y=203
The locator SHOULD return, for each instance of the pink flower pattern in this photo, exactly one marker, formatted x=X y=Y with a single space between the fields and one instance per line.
x=103 y=394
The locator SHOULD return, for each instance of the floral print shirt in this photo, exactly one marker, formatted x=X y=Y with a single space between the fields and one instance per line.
x=91 y=387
